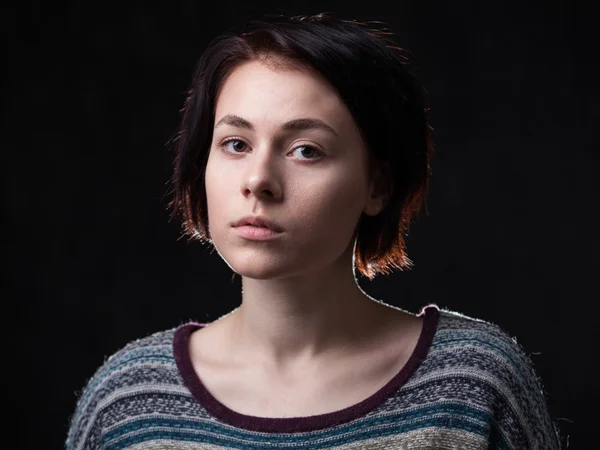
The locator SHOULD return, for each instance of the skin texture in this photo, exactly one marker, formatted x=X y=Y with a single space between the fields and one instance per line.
x=303 y=320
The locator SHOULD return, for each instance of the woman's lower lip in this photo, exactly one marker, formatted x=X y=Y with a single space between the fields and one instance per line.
x=256 y=233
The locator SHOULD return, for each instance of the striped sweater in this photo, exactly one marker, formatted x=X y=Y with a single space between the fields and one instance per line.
x=466 y=386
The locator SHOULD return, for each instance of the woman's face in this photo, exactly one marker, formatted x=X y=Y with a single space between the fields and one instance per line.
x=310 y=176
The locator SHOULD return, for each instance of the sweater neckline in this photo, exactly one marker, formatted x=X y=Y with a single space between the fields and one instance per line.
x=217 y=409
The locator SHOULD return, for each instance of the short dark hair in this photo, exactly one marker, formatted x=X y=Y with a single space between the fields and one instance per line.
x=371 y=75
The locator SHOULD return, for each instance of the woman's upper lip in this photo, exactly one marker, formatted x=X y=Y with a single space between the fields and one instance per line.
x=257 y=221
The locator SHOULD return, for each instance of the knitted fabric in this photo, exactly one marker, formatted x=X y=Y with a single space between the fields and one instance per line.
x=468 y=385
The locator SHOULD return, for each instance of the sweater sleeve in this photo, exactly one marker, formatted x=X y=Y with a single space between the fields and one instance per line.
x=521 y=418
x=85 y=424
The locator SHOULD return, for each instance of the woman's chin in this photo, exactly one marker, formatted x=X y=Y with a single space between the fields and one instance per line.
x=264 y=270
x=261 y=273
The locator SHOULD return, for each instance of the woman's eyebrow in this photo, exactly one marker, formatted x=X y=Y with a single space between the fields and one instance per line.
x=306 y=123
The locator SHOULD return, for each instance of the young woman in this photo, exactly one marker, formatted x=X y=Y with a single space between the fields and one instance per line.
x=303 y=154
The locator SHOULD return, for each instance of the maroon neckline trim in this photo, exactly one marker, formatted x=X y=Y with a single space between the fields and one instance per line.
x=299 y=424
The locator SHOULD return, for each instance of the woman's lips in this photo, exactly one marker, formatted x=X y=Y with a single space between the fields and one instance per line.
x=256 y=233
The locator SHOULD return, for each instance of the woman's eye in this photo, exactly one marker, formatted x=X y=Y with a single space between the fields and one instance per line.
x=235 y=145
x=304 y=152
x=307 y=151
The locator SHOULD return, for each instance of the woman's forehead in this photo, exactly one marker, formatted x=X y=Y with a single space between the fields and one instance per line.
x=261 y=93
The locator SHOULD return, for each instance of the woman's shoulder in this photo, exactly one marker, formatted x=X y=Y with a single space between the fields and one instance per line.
x=464 y=335
x=147 y=342
x=151 y=348
x=480 y=348
x=478 y=366
x=137 y=366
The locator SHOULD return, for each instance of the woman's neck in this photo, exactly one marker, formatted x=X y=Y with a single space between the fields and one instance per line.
x=287 y=322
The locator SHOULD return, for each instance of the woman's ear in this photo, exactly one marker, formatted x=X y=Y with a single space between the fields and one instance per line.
x=380 y=190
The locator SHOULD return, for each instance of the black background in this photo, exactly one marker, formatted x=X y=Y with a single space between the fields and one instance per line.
x=94 y=95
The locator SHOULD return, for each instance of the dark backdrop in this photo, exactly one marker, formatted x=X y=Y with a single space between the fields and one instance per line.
x=93 y=262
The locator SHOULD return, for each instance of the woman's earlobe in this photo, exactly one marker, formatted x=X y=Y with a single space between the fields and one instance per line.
x=375 y=206
x=381 y=191
x=381 y=188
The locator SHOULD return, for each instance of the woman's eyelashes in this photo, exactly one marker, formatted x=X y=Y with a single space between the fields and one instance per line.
x=236 y=145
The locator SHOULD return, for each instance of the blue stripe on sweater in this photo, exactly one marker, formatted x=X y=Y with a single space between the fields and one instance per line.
x=454 y=416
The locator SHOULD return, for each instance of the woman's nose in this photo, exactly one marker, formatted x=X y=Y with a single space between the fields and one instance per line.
x=262 y=177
